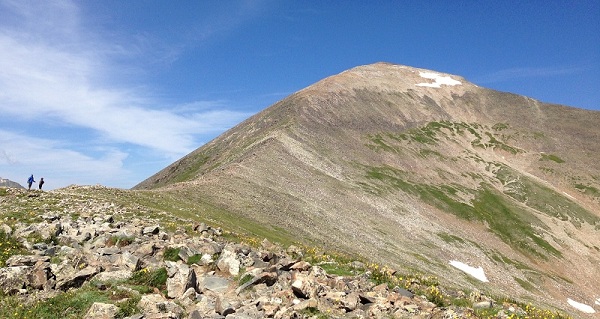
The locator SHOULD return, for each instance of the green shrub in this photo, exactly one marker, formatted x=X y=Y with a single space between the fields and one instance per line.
x=550 y=157
x=72 y=304
x=120 y=241
x=146 y=279
x=194 y=259
x=128 y=307
x=9 y=246
x=171 y=254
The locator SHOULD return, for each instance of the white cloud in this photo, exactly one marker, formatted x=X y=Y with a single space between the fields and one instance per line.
x=22 y=155
x=56 y=72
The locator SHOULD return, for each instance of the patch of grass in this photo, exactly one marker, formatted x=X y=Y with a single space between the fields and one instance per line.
x=380 y=144
x=550 y=157
x=588 y=190
x=486 y=312
x=547 y=170
x=192 y=167
x=194 y=259
x=505 y=219
x=425 y=152
x=313 y=312
x=128 y=307
x=3 y=191
x=450 y=238
x=434 y=295
x=500 y=126
x=494 y=143
x=433 y=133
x=507 y=261
x=171 y=253
x=72 y=304
x=146 y=279
x=246 y=277
x=120 y=241
x=462 y=302
x=524 y=284
x=9 y=246
x=188 y=204
x=337 y=269
x=544 y=199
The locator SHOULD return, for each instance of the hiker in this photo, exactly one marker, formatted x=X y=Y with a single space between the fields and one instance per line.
x=30 y=181
x=41 y=183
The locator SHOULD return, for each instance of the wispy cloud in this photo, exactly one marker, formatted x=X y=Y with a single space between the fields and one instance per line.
x=528 y=72
x=54 y=69
x=22 y=153
x=41 y=78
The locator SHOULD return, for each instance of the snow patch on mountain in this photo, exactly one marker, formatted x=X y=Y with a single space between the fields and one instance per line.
x=581 y=306
x=439 y=80
x=477 y=273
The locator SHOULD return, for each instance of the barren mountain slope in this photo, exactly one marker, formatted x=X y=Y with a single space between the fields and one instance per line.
x=8 y=183
x=415 y=168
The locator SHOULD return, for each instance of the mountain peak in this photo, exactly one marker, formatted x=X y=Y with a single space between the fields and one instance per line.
x=416 y=168
x=387 y=77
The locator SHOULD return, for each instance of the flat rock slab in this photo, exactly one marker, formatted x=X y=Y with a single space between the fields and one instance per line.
x=214 y=283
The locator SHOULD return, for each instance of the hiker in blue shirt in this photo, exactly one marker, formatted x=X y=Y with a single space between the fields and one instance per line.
x=30 y=181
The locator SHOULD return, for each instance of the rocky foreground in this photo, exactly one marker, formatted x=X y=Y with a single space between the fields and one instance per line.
x=197 y=271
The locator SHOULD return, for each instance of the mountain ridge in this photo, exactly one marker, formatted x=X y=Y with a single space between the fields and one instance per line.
x=414 y=168
x=4 y=182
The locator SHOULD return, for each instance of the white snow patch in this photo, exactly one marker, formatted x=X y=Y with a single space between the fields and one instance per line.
x=598 y=301
x=439 y=80
x=580 y=306
x=569 y=195
x=475 y=272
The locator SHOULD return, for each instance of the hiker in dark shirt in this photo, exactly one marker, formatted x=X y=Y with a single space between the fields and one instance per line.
x=41 y=183
x=30 y=181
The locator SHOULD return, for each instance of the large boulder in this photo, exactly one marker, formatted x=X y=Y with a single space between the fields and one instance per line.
x=228 y=261
x=181 y=278
x=14 y=279
x=101 y=311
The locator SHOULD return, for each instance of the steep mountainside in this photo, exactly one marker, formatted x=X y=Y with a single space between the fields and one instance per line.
x=416 y=168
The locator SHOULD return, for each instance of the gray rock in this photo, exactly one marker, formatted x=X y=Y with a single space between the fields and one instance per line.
x=77 y=279
x=223 y=306
x=6 y=229
x=403 y=292
x=151 y=230
x=213 y=283
x=148 y=303
x=109 y=251
x=13 y=279
x=101 y=311
x=40 y=275
x=130 y=261
x=114 y=275
x=228 y=262
x=183 y=278
x=483 y=304
x=25 y=260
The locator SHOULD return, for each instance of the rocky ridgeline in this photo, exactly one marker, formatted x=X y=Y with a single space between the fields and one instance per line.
x=212 y=277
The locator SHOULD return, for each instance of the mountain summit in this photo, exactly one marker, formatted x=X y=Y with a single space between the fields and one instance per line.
x=420 y=170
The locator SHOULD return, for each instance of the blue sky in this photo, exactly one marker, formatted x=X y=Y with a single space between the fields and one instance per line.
x=110 y=92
